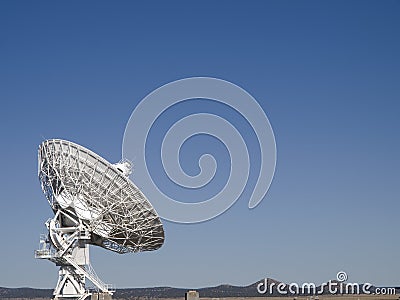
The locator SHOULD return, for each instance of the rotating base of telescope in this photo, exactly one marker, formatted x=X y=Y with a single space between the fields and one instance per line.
x=68 y=248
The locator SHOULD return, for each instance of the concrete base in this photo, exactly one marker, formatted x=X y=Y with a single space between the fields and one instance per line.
x=101 y=296
x=192 y=295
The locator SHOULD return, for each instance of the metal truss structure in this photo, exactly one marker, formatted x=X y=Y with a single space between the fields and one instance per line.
x=94 y=202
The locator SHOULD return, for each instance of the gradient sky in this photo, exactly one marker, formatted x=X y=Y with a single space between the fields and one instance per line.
x=327 y=74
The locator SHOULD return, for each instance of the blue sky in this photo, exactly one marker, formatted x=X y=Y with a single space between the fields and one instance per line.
x=327 y=75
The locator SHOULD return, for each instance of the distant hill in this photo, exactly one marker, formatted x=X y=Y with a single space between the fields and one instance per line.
x=25 y=293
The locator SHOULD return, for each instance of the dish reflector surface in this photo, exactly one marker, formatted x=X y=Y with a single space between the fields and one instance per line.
x=83 y=184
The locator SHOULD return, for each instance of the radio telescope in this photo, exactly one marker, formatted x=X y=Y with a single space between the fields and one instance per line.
x=94 y=203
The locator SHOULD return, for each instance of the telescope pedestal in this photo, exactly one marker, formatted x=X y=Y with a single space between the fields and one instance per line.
x=70 y=284
x=71 y=280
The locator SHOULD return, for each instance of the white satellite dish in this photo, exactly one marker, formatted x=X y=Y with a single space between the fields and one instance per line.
x=94 y=202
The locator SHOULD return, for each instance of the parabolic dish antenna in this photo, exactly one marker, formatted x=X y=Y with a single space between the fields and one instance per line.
x=94 y=202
